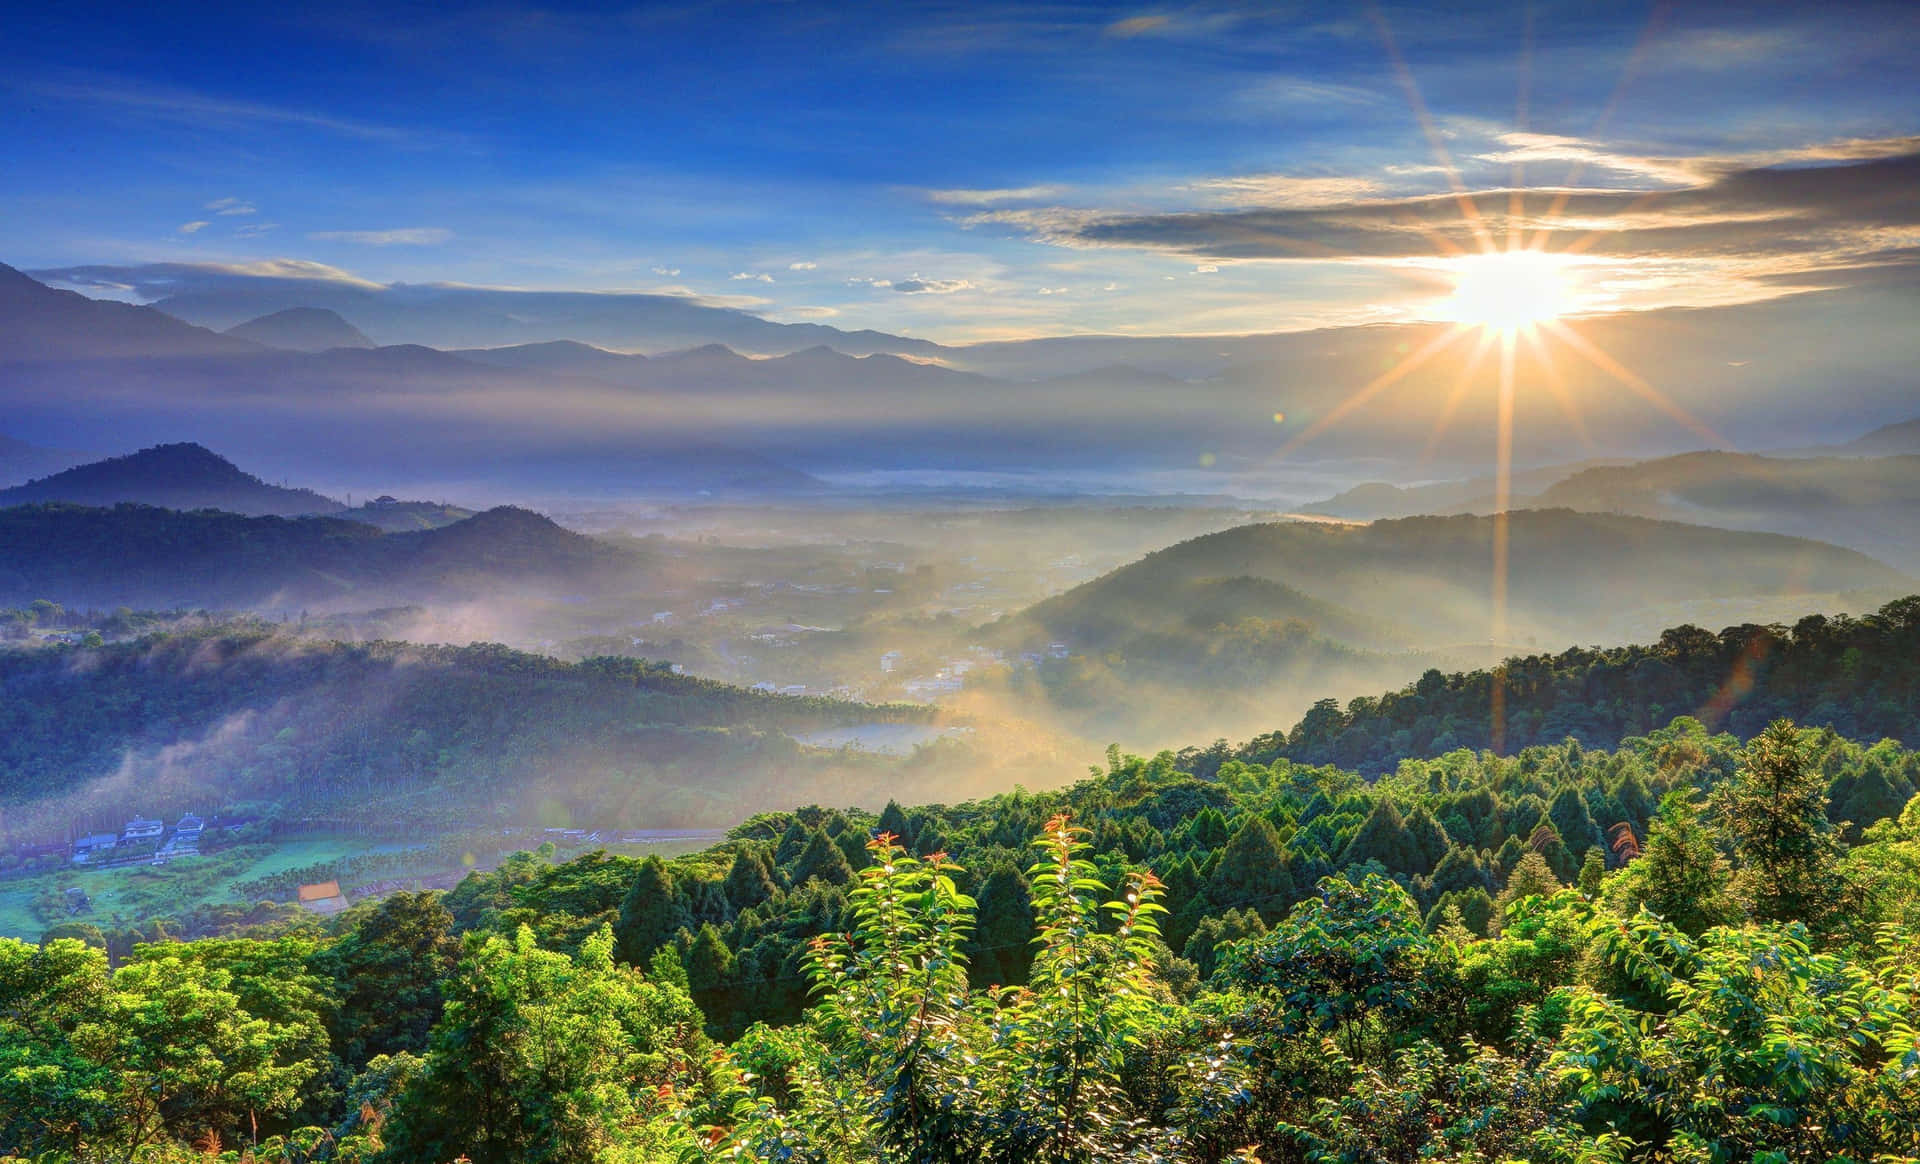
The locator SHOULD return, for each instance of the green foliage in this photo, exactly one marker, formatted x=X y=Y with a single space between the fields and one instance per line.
x=540 y=1057
x=1775 y=812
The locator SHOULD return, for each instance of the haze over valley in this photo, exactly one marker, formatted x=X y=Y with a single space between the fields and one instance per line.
x=921 y=583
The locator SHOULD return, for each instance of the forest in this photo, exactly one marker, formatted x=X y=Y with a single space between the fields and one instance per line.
x=1688 y=946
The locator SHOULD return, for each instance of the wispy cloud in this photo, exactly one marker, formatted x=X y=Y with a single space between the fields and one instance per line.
x=218 y=112
x=231 y=206
x=919 y=286
x=669 y=272
x=752 y=276
x=1284 y=189
x=255 y=229
x=408 y=236
x=994 y=196
x=803 y=265
x=1134 y=26
x=194 y=227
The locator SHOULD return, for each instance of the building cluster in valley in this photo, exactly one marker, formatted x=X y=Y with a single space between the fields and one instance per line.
x=142 y=839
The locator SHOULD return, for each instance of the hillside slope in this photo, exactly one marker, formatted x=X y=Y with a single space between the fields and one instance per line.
x=176 y=476
x=1871 y=504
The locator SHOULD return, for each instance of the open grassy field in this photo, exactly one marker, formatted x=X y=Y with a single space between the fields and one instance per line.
x=135 y=893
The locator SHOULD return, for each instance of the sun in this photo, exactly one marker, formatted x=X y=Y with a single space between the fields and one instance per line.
x=1507 y=291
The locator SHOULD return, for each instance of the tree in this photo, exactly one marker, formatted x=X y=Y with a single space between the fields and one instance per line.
x=1679 y=876
x=893 y=821
x=822 y=860
x=1775 y=812
x=651 y=913
x=544 y=1058
x=387 y=971
x=750 y=879
x=1532 y=877
x=1001 y=946
x=1252 y=873
x=186 y=1058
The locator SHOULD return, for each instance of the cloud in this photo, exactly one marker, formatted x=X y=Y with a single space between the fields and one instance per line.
x=216 y=112
x=1207 y=269
x=231 y=206
x=407 y=236
x=194 y=227
x=1809 y=207
x=1134 y=26
x=669 y=272
x=255 y=229
x=1052 y=291
x=752 y=276
x=803 y=265
x=1285 y=190
x=993 y=196
x=156 y=280
x=919 y=286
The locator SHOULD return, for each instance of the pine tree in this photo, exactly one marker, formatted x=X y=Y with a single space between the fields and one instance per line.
x=1679 y=875
x=1532 y=877
x=894 y=820
x=650 y=913
x=1573 y=822
x=1252 y=873
x=1384 y=838
x=709 y=965
x=822 y=859
x=1775 y=811
x=750 y=881
x=1001 y=946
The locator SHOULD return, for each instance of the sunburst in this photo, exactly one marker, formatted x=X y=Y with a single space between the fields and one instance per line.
x=1505 y=290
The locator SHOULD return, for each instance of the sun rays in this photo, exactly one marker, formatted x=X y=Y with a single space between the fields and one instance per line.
x=1505 y=291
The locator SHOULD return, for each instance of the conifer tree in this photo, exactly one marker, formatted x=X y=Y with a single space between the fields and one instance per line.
x=749 y=882
x=1252 y=873
x=893 y=819
x=650 y=913
x=822 y=859
x=1775 y=811
x=1679 y=876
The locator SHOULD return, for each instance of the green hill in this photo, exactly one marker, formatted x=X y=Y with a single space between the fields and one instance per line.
x=396 y=738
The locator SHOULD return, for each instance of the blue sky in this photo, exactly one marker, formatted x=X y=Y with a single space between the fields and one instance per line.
x=956 y=171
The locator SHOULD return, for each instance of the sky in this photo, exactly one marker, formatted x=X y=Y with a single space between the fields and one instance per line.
x=967 y=171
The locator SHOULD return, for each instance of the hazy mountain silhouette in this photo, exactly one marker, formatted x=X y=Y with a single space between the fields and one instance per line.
x=1426 y=581
x=176 y=476
x=144 y=556
x=1870 y=504
x=1903 y=437
x=302 y=329
x=448 y=315
x=39 y=323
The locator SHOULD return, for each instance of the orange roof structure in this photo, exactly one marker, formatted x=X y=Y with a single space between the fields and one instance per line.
x=320 y=892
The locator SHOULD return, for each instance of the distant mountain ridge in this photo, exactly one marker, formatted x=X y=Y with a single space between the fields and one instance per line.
x=302 y=329
x=38 y=323
x=142 y=556
x=174 y=476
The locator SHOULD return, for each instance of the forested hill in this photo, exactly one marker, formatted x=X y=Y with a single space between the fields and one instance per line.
x=176 y=476
x=1858 y=676
x=141 y=556
x=1572 y=577
x=398 y=736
